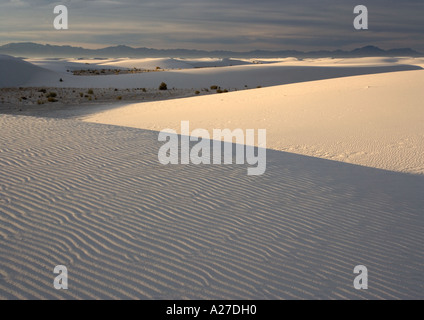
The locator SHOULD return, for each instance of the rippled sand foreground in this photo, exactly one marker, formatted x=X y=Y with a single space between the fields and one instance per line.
x=94 y=198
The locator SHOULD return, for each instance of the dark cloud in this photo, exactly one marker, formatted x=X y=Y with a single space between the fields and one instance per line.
x=234 y=25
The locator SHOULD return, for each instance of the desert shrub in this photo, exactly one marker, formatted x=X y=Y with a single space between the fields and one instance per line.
x=51 y=99
x=197 y=92
x=214 y=87
x=119 y=97
x=90 y=91
x=163 y=86
x=42 y=90
x=81 y=94
x=143 y=89
x=52 y=95
x=40 y=102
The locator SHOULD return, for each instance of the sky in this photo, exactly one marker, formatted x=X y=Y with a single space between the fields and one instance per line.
x=236 y=25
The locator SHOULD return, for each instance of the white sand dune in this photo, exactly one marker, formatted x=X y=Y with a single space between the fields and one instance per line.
x=15 y=72
x=143 y=63
x=94 y=198
x=381 y=61
x=213 y=62
x=371 y=120
x=238 y=76
x=65 y=66
x=235 y=77
x=150 y=64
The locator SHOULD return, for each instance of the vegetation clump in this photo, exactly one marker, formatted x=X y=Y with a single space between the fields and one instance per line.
x=163 y=86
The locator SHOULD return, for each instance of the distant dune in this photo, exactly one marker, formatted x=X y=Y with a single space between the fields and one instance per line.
x=16 y=72
x=230 y=74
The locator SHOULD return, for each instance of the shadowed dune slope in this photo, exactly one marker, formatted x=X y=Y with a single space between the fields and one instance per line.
x=95 y=198
x=15 y=72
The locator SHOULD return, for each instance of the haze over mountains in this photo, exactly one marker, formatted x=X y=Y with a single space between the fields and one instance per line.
x=30 y=49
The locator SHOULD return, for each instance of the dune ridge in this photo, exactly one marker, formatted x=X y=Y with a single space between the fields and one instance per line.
x=372 y=120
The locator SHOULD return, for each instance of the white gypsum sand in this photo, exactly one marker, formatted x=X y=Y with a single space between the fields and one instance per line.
x=371 y=120
x=49 y=73
x=94 y=198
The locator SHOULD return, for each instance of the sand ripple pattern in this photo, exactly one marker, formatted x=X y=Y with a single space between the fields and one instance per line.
x=94 y=198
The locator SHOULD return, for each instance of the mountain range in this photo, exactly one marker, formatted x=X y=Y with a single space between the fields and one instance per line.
x=29 y=49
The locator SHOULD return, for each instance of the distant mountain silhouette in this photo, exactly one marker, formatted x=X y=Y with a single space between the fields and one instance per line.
x=29 y=49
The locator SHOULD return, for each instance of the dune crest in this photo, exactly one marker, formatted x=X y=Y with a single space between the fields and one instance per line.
x=371 y=120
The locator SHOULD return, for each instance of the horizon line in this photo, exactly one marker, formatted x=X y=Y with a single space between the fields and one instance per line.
x=209 y=51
